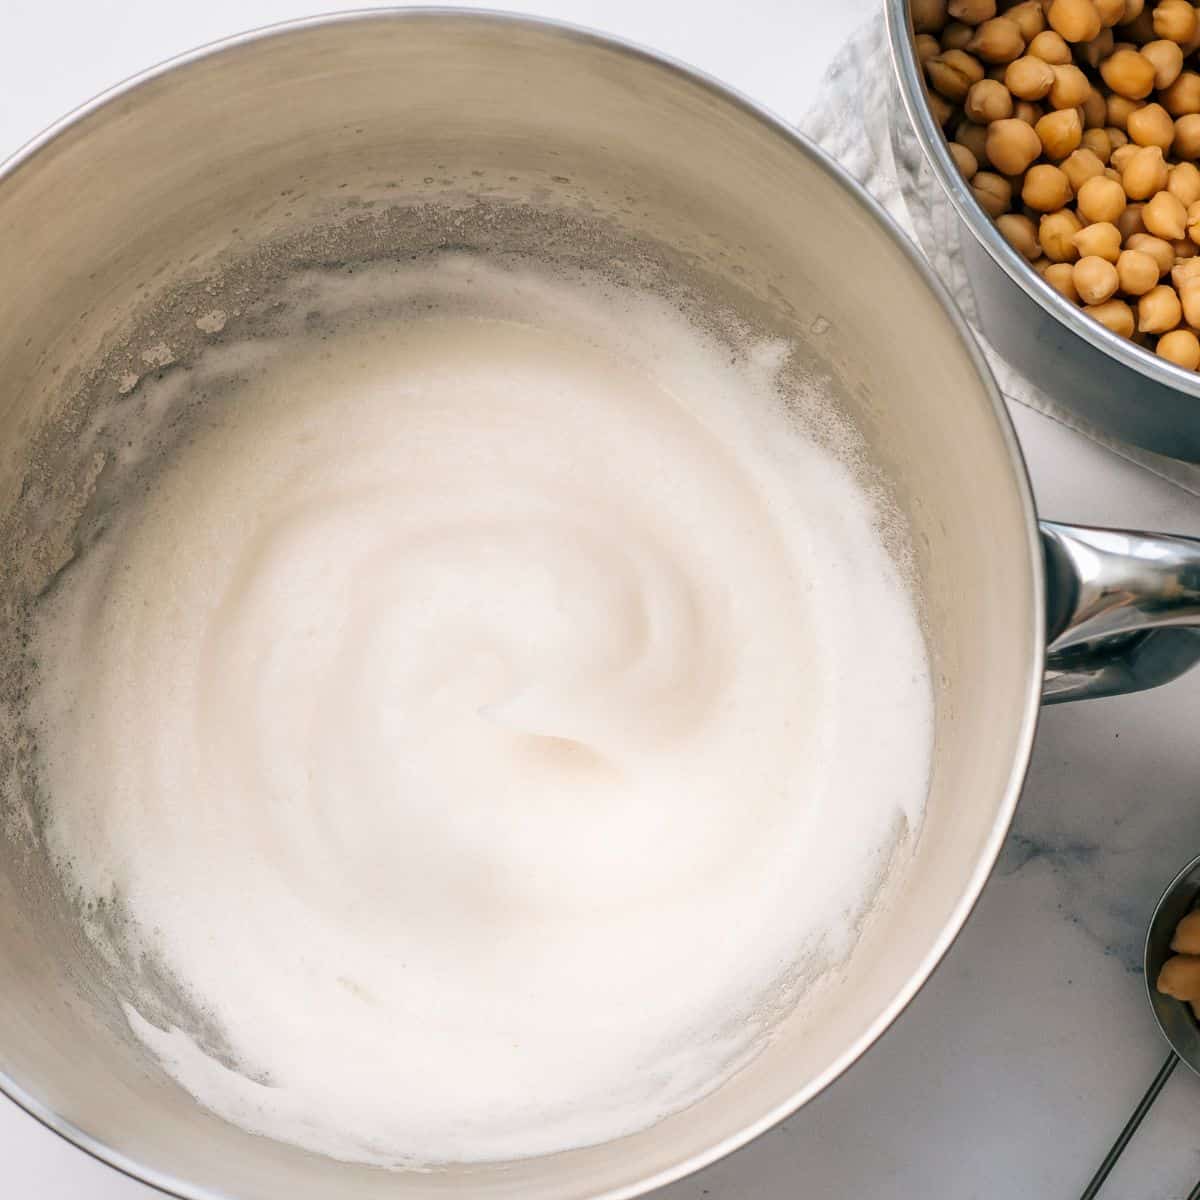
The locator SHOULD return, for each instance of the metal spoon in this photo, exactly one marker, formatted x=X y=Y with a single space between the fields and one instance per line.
x=1174 y=1017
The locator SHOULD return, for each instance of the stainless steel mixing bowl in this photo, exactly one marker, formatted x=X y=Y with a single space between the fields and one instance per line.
x=369 y=135
x=1105 y=378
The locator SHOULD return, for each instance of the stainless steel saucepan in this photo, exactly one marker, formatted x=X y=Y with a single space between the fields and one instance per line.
x=379 y=134
x=1105 y=378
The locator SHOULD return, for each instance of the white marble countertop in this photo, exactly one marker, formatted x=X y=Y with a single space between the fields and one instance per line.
x=1011 y=1072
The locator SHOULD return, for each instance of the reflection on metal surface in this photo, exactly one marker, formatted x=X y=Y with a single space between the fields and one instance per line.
x=1119 y=607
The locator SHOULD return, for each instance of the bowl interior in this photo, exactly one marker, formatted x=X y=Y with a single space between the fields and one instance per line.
x=376 y=135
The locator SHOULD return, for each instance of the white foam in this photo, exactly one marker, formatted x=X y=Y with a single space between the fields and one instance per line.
x=490 y=720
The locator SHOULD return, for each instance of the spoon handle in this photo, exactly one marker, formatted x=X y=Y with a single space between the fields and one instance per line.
x=1131 y=1127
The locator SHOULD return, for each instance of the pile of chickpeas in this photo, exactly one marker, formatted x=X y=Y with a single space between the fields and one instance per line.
x=1077 y=125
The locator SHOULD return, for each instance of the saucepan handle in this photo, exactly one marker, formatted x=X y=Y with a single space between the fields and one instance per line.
x=1123 y=610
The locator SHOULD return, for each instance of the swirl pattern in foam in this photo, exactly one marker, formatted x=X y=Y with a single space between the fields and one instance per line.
x=493 y=717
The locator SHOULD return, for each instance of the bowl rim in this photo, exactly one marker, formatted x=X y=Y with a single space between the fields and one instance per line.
x=1024 y=730
x=935 y=147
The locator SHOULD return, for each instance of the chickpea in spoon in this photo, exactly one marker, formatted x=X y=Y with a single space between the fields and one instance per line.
x=1180 y=974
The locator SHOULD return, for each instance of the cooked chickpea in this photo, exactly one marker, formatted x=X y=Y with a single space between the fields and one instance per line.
x=1158 y=310
x=1133 y=10
x=1175 y=20
x=1144 y=173
x=1130 y=223
x=974 y=137
x=1060 y=132
x=1056 y=235
x=1184 y=248
x=989 y=101
x=956 y=35
x=1113 y=314
x=1095 y=279
x=1189 y=298
x=1107 y=11
x=1193 y=222
x=1102 y=240
x=1097 y=50
x=1080 y=166
x=1096 y=141
x=997 y=41
x=1012 y=146
x=929 y=16
x=1050 y=48
x=1165 y=217
x=926 y=46
x=1027 y=111
x=1167 y=59
x=1183 y=272
x=1118 y=109
x=972 y=12
x=1187 y=136
x=1184 y=182
x=952 y=73
x=1187 y=935
x=1113 y=174
x=1074 y=20
x=1094 y=110
x=1193 y=43
x=1137 y=272
x=1150 y=125
x=1183 y=96
x=1180 y=977
x=1100 y=199
x=1030 y=18
x=1163 y=253
x=1120 y=156
x=1070 y=87
x=1061 y=277
x=1028 y=78
x=1020 y=233
x=942 y=109
x=1128 y=73
x=964 y=160
x=1182 y=347
x=1116 y=137
x=993 y=192
x=1046 y=187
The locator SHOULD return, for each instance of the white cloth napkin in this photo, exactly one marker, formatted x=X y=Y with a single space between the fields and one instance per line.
x=859 y=120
